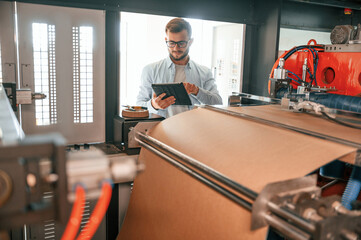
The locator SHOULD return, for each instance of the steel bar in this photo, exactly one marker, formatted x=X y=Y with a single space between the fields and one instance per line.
x=333 y=182
x=258 y=98
x=286 y=229
x=240 y=201
x=284 y=126
x=343 y=115
x=275 y=222
x=201 y=167
x=297 y=220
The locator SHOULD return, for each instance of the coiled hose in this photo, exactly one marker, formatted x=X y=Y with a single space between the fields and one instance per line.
x=342 y=102
x=352 y=189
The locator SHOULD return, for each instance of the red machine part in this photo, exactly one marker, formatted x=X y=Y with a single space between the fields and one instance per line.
x=341 y=70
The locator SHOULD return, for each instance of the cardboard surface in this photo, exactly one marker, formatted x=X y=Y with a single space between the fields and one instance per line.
x=307 y=121
x=168 y=204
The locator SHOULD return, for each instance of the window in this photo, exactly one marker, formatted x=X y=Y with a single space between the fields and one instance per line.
x=83 y=74
x=44 y=72
x=66 y=61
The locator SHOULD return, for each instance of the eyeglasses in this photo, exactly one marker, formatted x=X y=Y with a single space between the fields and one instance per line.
x=181 y=44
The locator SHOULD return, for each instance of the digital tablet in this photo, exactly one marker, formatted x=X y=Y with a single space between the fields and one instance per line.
x=173 y=89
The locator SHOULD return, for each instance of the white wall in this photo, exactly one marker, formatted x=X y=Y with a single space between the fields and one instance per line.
x=290 y=38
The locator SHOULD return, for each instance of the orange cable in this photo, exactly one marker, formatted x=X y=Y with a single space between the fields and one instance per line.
x=98 y=213
x=76 y=215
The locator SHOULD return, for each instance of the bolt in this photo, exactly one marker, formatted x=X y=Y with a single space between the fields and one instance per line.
x=51 y=178
x=330 y=236
x=311 y=214
x=31 y=180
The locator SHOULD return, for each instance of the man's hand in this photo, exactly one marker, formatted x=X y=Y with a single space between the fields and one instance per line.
x=159 y=103
x=191 y=88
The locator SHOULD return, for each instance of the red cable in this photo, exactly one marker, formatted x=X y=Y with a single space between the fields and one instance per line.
x=76 y=214
x=98 y=213
x=312 y=41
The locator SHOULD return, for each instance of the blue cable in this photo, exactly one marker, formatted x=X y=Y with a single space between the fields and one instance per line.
x=311 y=76
x=314 y=53
x=295 y=80
x=315 y=72
x=315 y=64
x=296 y=76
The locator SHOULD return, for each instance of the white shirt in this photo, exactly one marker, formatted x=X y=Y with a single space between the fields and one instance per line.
x=164 y=71
x=179 y=76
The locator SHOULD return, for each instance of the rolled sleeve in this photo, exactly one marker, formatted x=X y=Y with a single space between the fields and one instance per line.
x=208 y=94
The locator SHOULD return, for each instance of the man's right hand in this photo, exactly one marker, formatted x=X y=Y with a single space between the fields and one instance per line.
x=159 y=103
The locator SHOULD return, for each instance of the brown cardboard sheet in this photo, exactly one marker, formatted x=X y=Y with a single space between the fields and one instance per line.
x=168 y=204
x=307 y=121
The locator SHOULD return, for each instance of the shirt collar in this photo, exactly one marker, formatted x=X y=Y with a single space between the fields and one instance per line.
x=170 y=63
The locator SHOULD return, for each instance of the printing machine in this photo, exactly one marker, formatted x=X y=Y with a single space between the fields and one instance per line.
x=295 y=207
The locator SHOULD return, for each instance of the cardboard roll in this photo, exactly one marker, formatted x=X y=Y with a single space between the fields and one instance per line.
x=166 y=203
x=135 y=112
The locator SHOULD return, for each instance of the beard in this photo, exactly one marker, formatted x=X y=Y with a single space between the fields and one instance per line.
x=185 y=54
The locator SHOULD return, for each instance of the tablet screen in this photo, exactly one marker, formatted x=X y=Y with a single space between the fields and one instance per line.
x=173 y=89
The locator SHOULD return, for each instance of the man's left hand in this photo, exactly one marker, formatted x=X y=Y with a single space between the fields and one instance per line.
x=191 y=88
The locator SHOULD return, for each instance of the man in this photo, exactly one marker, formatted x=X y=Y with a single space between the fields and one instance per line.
x=197 y=80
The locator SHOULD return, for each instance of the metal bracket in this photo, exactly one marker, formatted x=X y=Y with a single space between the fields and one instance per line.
x=234 y=100
x=280 y=189
x=140 y=127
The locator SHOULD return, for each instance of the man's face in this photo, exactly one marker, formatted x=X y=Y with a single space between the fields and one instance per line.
x=177 y=53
